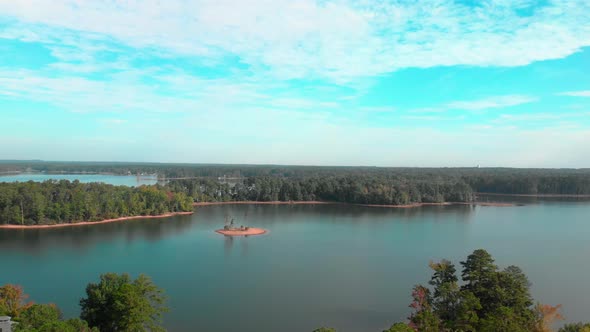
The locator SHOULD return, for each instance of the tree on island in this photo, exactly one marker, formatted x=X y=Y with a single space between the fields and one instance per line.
x=118 y=303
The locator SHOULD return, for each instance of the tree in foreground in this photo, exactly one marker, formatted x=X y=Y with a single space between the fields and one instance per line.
x=399 y=327
x=118 y=303
x=490 y=300
x=325 y=329
x=577 y=327
x=13 y=300
x=31 y=317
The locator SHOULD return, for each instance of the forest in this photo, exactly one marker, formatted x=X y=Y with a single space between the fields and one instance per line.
x=343 y=189
x=65 y=202
x=480 y=180
x=51 y=202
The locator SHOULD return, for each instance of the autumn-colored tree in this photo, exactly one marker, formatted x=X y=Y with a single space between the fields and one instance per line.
x=13 y=300
x=423 y=318
x=547 y=315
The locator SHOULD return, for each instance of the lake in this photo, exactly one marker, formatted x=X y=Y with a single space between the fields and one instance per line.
x=348 y=267
x=118 y=180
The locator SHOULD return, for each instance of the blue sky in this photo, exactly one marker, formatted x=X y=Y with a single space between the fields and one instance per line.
x=386 y=83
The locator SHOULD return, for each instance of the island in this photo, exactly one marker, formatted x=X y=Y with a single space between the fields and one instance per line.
x=231 y=230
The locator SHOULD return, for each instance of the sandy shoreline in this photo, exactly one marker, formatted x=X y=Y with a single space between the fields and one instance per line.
x=537 y=195
x=87 y=223
x=250 y=231
x=264 y=203
x=405 y=206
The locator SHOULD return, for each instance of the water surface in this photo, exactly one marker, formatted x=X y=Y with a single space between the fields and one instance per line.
x=119 y=180
x=348 y=267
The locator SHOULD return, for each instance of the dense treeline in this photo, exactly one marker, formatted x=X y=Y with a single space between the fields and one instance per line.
x=487 y=180
x=346 y=189
x=487 y=300
x=50 y=202
x=531 y=184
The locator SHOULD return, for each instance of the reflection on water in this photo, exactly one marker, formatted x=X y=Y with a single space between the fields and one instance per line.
x=81 y=238
x=350 y=267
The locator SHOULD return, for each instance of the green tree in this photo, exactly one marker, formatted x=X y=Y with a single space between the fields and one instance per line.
x=466 y=319
x=399 y=327
x=37 y=316
x=503 y=319
x=446 y=290
x=325 y=329
x=118 y=303
x=423 y=318
x=577 y=327
x=481 y=279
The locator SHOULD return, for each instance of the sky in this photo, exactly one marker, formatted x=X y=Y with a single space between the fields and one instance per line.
x=382 y=83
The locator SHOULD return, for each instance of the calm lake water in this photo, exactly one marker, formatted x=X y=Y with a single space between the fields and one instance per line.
x=119 y=180
x=348 y=267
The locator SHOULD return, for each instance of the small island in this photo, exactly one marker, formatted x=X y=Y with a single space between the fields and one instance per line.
x=231 y=230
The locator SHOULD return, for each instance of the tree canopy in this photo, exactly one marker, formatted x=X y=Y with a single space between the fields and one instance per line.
x=51 y=202
x=119 y=303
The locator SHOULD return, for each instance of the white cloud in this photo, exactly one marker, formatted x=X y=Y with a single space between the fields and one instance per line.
x=335 y=40
x=478 y=105
x=583 y=93
x=491 y=102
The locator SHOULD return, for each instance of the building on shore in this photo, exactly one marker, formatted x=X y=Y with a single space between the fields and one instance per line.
x=6 y=324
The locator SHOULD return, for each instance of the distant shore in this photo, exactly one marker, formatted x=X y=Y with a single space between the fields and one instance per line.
x=537 y=195
x=403 y=206
x=87 y=223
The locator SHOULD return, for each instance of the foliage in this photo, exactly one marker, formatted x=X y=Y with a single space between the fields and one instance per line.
x=489 y=180
x=357 y=189
x=546 y=316
x=399 y=327
x=324 y=329
x=32 y=203
x=577 y=327
x=38 y=315
x=13 y=300
x=423 y=317
x=32 y=317
x=490 y=300
x=118 y=303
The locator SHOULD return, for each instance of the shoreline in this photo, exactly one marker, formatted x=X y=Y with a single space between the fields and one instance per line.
x=266 y=203
x=403 y=206
x=251 y=231
x=538 y=195
x=86 y=223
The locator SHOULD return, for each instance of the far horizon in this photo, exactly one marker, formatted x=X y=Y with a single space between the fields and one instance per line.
x=124 y=162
